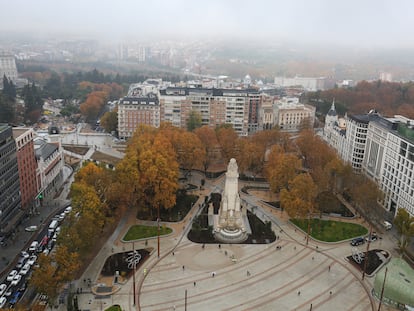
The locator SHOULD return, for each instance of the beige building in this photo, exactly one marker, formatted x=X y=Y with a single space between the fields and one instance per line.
x=289 y=114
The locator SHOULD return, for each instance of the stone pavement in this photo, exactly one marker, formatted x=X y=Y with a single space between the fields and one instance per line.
x=235 y=277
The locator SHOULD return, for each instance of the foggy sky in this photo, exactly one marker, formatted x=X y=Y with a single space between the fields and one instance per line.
x=349 y=22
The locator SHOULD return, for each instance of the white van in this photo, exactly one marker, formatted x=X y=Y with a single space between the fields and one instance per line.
x=33 y=246
x=387 y=225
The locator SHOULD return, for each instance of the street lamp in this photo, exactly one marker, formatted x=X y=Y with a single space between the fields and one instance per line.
x=158 y=229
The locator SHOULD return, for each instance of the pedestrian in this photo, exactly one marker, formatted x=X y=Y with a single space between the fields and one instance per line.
x=329 y=268
x=183 y=268
x=294 y=247
x=174 y=307
x=219 y=245
x=213 y=274
x=330 y=293
x=298 y=293
x=173 y=253
x=313 y=258
x=248 y=273
x=194 y=284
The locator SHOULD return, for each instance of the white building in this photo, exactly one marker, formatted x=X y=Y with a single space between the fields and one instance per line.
x=7 y=68
x=50 y=161
x=308 y=83
x=382 y=148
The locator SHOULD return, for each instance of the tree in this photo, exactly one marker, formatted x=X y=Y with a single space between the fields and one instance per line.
x=281 y=168
x=227 y=138
x=9 y=90
x=299 y=199
x=44 y=280
x=33 y=103
x=189 y=149
x=6 y=110
x=109 y=121
x=208 y=138
x=151 y=160
x=194 y=120
x=404 y=223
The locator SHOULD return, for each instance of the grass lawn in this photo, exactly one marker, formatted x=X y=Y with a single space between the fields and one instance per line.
x=141 y=232
x=329 y=230
x=114 y=308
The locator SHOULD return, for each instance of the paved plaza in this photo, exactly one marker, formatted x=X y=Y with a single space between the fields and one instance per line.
x=284 y=275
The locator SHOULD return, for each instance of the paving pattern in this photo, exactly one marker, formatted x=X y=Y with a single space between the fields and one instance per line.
x=262 y=278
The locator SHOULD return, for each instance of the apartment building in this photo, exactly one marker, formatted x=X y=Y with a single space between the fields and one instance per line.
x=50 y=162
x=239 y=107
x=141 y=108
x=27 y=165
x=10 y=198
x=380 y=147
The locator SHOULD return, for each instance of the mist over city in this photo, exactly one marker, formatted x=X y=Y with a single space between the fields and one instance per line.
x=322 y=38
x=215 y=155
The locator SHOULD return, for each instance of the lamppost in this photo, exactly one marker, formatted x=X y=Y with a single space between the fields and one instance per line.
x=158 y=229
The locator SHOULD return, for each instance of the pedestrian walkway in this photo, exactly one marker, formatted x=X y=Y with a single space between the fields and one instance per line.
x=284 y=275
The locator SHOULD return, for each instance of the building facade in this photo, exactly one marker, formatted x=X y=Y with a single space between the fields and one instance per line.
x=7 y=67
x=289 y=114
x=28 y=169
x=10 y=198
x=238 y=107
x=137 y=110
x=50 y=161
x=381 y=148
x=308 y=83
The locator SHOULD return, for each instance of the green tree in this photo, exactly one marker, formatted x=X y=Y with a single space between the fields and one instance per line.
x=33 y=103
x=194 y=120
x=6 y=110
x=9 y=90
x=109 y=121
x=404 y=223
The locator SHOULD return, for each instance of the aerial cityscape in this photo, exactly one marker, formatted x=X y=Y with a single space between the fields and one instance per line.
x=227 y=155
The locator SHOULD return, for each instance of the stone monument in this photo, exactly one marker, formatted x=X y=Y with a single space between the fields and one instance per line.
x=231 y=224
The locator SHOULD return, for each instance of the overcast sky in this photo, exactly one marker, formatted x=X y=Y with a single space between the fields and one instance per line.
x=351 y=22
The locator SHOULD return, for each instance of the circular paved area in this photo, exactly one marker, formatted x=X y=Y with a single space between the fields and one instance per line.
x=260 y=278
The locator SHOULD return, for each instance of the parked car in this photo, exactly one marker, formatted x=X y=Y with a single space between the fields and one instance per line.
x=30 y=228
x=25 y=255
x=20 y=262
x=11 y=275
x=357 y=241
x=15 y=298
x=32 y=260
x=371 y=238
x=3 y=301
x=25 y=269
x=2 y=289
x=68 y=209
x=33 y=246
x=16 y=280
x=387 y=225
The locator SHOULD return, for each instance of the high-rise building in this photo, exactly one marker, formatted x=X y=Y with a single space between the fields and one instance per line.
x=7 y=67
x=381 y=148
x=10 y=199
x=27 y=164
